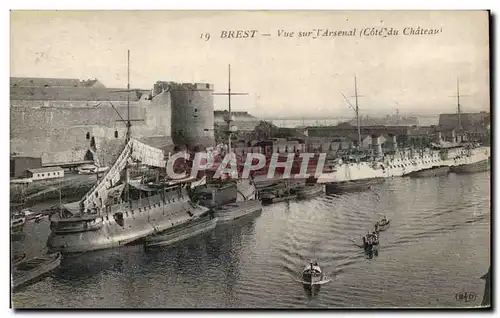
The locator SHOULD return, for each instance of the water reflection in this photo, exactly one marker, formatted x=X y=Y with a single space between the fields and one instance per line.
x=257 y=261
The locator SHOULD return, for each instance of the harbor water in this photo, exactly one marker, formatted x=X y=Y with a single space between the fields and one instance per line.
x=437 y=247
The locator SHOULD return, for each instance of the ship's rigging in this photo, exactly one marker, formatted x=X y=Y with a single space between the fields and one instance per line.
x=459 y=110
x=356 y=109
x=229 y=119
x=134 y=151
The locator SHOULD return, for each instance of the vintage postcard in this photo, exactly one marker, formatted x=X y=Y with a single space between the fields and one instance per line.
x=250 y=159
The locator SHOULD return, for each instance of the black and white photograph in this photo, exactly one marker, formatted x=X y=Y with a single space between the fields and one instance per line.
x=236 y=159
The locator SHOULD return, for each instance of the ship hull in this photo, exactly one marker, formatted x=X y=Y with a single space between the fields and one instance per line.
x=382 y=228
x=17 y=228
x=44 y=266
x=193 y=228
x=277 y=199
x=309 y=191
x=17 y=225
x=471 y=168
x=309 y=280
x=237 y=210
x=353 y=186
x=137 y=223
x=217 y=195
x=405 y=164
x=277 y=193
x=430 y=172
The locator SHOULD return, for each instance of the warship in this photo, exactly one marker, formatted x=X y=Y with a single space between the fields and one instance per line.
x=118 y=211
x=406 y=162
x=309 y=189
x=230 y=196
x=277 y=193
x=201 y=224
x=458 y=155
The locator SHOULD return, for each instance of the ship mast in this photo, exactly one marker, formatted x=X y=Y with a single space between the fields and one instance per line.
x=128 y=124
x=229 y=108
x=229 y=118
x=356 y=109
x=127 y=139
x=128 y=134
x=458 y=107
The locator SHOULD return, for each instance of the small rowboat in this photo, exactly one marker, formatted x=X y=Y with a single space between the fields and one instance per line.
x=312 y=274
x=26 y=272
x=382 y=225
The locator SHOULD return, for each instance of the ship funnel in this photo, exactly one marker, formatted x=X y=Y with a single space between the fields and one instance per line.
x=393 y=143
x=439 y=137
x=376 y=146
x=453 y=136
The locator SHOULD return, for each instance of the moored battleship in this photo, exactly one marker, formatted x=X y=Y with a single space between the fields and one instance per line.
x=309 y=189
x=457 y=155
x=246 y=203
x=277 y=193
x=110 y=216
x=404 y=162
x=117 y=211
x=215 y=193
x=202 y=224
x=230 y=196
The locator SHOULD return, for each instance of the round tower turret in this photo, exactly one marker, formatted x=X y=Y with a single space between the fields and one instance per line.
x=192 y=115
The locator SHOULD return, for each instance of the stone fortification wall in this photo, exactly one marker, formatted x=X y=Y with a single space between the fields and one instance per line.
x=192 y=114
x=61 y=131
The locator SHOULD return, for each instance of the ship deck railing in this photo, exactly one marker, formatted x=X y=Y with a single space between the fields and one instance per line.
x=138 y=204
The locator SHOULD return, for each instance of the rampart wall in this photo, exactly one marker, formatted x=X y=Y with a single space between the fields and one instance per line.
x=57 y=131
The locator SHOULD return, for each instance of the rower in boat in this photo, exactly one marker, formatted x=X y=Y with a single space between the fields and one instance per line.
x=370 y=240
x=367 y=241
x=312 y=274
x=384 y=220
x=382 y=225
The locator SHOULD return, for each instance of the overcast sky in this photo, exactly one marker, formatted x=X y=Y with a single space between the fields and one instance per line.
x=283 y=76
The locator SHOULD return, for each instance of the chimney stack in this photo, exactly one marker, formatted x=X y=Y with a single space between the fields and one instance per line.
x=393 y=142
x=376 y=146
